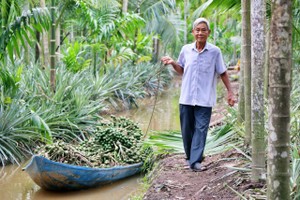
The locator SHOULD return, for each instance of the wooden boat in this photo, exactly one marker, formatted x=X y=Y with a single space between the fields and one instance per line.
x=51 y=175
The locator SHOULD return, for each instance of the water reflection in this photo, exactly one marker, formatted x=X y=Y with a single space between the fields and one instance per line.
x=165 y=115
x=115 y=191
x=15 y=184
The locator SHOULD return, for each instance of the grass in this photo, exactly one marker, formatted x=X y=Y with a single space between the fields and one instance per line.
x=144 y=186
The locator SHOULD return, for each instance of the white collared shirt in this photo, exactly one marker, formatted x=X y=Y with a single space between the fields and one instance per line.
x=199 y=80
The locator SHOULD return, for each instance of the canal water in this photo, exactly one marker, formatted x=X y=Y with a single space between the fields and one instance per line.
x=152 y=114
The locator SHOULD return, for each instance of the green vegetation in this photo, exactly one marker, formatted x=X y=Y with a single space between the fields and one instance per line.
x=96 y=71
x=37 y=115
x=117 y=142
x=295 y=139
x=104 y=60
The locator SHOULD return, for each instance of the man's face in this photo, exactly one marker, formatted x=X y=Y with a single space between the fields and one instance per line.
x=201 y=32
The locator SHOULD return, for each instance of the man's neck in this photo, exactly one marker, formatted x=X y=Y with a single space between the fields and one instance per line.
x=200 y=46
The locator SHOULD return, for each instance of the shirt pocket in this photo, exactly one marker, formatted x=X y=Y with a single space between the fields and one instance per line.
x=206 y=65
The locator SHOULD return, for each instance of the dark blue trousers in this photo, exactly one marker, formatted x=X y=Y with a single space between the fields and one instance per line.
x=194 y=122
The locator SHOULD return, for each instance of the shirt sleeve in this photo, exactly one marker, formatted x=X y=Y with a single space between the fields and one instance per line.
x=220 y=65
x=181 y=58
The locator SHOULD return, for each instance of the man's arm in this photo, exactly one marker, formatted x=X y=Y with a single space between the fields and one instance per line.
x=230 y=95
x=167 y=60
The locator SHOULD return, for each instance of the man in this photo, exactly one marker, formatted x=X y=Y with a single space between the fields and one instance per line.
x=199 y=63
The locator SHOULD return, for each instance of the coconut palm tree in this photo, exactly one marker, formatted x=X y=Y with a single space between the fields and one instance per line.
x=257 y=89
x=45 y=41
x=246 y=64
x=162 y=20
x=279 y=100
x=87 y=10
x=52 y=47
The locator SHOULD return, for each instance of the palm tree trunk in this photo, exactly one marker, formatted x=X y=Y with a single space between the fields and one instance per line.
x=4 y=16
x=4 y=13
x=279 y=100
x=125 y=6
x=57 y=41
x=266 y=93
x=257 y=90
x=156 y=48
x=71 y=37
x=241 y=104
x=136 y=31
x=215 y=26
x=186 y=12
x=52 y=48
x=37 y=46
x=94 y=63
x=45 y=42
x=246 y=64
x=27 y=48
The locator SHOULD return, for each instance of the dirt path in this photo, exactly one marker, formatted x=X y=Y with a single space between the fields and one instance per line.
x=174 y=180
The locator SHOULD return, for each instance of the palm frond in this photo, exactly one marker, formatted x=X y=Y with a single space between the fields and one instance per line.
x=9 y=82
x=16 y=133
x=295 y=179
x=168 y=141
x=218 y=140
x=212 y=5
x=18 y=31
x=154 y=9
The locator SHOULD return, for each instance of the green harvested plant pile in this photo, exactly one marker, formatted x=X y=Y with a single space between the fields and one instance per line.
x=117 y=142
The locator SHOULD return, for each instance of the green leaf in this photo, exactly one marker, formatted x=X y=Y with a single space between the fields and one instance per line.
x=19 y=36
x=39 y=122
x=24 y=33
x=38 y=27
x=16 y=46
x=7 y=100
x=10 y=52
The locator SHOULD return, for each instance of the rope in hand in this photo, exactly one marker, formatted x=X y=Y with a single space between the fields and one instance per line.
x=156 y=96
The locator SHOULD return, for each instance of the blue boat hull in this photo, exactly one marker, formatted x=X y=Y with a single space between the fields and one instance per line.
x=51 y=175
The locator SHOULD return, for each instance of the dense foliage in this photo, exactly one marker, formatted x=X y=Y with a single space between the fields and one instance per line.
x=105 y=61
x=30 y=113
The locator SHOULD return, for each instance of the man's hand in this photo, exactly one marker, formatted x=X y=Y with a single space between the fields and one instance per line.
x=167 y=60
x=230 y=99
